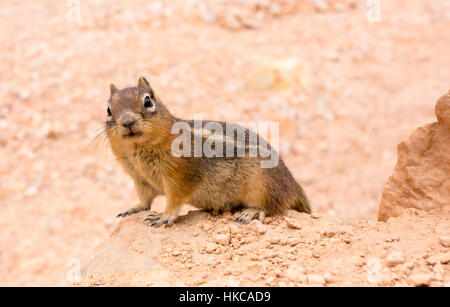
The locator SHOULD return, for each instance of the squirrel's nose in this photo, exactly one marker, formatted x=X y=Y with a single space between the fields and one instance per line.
x=127 y=122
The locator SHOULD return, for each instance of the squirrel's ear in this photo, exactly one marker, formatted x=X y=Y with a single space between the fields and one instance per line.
x=113 y=88
x=143 y=83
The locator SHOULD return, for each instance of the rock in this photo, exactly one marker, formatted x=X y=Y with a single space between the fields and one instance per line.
x=394 y=259
x=421 y=279
x=176 y=252
x=442 y=110
x=441 y=258
x=315 y=279
x=329 y=279
x=329 y=233
x=296 y=273
x=292 y=241
x=421 y=177
x=258 y=227
x=206 y=226
x=224 y=230
x=392 y=238
x=292 y=223
x=210 y=247
x=235 y=229
x=235 y=243
x=223 y=239
x=445 y=241
x=315 y=216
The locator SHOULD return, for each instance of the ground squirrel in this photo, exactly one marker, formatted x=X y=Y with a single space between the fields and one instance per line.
x=140 y=131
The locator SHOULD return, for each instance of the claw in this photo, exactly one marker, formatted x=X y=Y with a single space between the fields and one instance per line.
x=249 y=214
x=159 y=219
x=131 y=211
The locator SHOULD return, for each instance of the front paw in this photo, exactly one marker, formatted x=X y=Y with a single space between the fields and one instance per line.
x=159 y=219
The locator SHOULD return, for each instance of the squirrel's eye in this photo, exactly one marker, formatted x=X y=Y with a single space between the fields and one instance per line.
x=147 y=102
x=109 y=112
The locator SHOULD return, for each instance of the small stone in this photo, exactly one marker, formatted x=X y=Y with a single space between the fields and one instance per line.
x=392 y=238
x=206 y=226
x=346 y=240
x=176 y=252
x=421 y=279
x=210 y=247
x=296 y=273
x=315 y=279
x=258 y=227
x=329 y=279
x=223 y=239
x=234 y=229
x=292 y=223
x=329 y=233
x=274 y=240
x=315 y=215
x=445 y=241
x=235 y=243
x=441 y=258
x=224 y=230
x=394 y=259
x=254 y=257
x=293 y=241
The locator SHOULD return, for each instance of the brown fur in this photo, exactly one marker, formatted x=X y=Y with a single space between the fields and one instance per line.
x=217 y=183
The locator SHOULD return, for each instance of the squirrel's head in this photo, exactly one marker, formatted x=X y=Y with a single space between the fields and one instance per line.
x=136 y=115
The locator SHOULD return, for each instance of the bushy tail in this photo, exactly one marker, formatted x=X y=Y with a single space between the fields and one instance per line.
x=302 y=202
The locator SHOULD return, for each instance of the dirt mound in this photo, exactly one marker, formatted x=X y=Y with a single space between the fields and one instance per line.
x=284 y=251
x=422 y=176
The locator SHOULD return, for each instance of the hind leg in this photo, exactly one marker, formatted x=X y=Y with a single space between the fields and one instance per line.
x=249 y=214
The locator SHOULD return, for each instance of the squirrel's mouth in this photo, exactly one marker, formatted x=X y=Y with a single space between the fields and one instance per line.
x=132 y=134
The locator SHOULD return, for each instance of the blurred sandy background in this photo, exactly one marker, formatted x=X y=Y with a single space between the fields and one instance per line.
x=345 y=91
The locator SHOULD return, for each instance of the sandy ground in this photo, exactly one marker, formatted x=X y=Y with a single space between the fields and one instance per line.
x=362 y=88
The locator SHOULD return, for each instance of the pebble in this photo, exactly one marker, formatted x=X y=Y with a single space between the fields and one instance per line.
x=329 y=233
x=224 y=230
x=274 y=240
x=315 y=279
x=296 y=273
x=394 y=259
x=329 y=279
x=206 y=226
x=235 y=243
x=445 y=241
x=258 y=227
x=392 y=238
x=234 y=229
x=315 y=216
x=441 y=258
x=292 y=223
x=292 y=241
x=210 y=247
x=421 y=279
x=223 y=239
x=176 y=252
